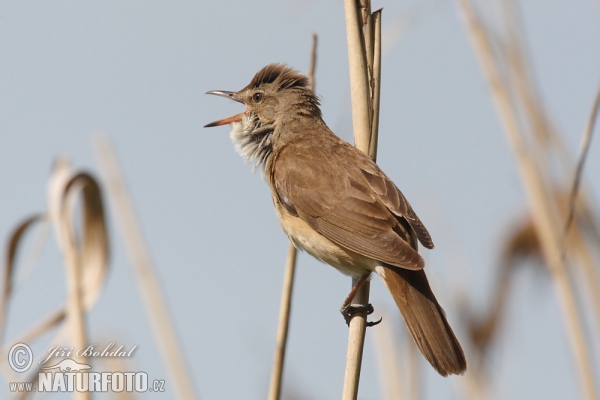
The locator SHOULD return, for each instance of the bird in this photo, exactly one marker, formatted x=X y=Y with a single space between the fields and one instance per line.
x=335 y=203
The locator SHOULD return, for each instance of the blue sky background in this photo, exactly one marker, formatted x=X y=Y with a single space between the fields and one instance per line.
x=137 y=71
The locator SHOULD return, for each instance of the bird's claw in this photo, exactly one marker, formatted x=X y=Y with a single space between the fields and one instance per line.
x=373 y=323
x=351 y=309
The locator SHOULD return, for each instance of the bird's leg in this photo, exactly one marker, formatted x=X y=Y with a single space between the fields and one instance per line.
x=348 y=309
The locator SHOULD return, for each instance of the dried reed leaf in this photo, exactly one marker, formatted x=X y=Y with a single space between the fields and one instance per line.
x=522 y=247
x=94 y=240
x=14 y=241
x=586 y=140
x=85 y=252
x=43 y=326
x=523 y=242
x=534 y=172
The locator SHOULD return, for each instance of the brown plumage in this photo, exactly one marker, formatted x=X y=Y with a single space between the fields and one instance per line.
x=334 y=202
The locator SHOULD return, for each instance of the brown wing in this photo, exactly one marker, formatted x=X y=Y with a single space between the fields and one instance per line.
x=344 y=196
x=395 y=201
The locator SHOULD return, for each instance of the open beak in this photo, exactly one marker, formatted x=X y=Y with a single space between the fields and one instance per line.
x=227 y=120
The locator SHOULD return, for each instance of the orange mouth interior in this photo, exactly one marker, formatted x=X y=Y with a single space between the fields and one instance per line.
x=227 y=120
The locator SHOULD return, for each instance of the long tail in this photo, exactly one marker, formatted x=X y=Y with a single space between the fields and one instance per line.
x=424 y=318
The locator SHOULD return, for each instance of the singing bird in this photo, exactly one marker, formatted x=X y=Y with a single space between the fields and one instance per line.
x=335 y=203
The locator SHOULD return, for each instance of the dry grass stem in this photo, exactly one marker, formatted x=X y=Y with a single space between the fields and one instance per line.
x=586 y=140
x=544 y=210
x=360 y=97
x=284 y=321
x=363 y=32
x=32 y=256
x=359 y=81
x=573 y=238
x=356 y=343
x=313 y=62
x=375 y=83
x=148 y=284
x=9 y=268
x=43 y=326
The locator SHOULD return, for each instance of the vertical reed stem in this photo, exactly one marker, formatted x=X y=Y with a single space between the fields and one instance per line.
x=363 y=32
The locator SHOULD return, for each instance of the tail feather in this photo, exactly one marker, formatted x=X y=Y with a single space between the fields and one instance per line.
x=424 y=318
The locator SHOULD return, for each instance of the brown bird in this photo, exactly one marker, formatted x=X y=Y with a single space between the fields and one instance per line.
x=334 y=202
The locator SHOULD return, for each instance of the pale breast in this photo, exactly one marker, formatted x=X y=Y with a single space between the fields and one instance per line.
x=318 y=246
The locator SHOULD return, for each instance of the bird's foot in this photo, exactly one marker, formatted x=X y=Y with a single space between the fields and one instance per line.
x=349 y=310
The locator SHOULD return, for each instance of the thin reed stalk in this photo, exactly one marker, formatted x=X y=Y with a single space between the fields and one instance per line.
x=375 y=85
x=359 y=77
x=284 y=322
x=586 y=141
x=573 y=238
x=9 y=269
x=363 y=32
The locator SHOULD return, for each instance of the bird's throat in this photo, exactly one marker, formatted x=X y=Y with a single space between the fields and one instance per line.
x=253 y=140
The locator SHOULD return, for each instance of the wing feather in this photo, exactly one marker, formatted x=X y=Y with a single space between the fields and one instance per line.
x=347 y=198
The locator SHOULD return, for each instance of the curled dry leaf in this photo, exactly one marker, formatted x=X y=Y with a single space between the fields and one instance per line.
x=85 y=248
x=14 y=241
x=83 y=242
x=90 y=247
x=521 y=249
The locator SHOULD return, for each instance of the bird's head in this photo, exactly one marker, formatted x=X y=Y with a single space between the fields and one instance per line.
x=275 y=92
x=275 y=95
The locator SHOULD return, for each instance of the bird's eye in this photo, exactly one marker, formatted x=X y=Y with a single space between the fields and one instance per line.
x=258 y=97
